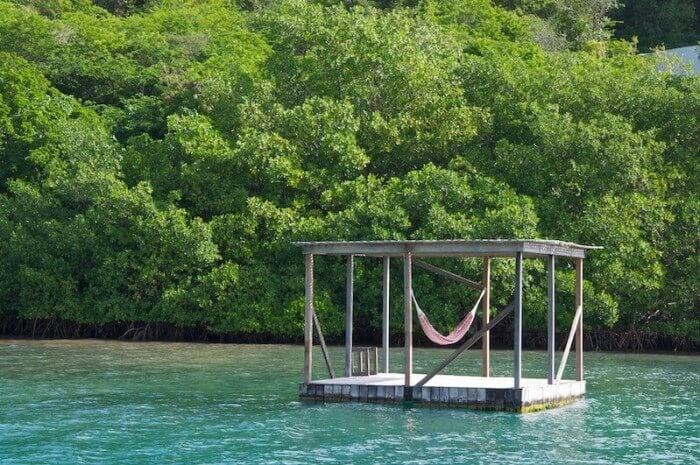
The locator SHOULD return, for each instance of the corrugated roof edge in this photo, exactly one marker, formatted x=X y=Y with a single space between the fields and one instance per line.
x=449 y=248
x=451 y=241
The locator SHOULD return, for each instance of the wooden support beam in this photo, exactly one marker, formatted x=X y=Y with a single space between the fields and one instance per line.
x=324 y=349
x=408 y=318
x=518 y=321
x=551 y=318
x=572 y=332
x=447 y=274
x=385 y=313
x=308 y=317
x=485 y=308
x=349 y=298
x=470 y=342
x=579 y=330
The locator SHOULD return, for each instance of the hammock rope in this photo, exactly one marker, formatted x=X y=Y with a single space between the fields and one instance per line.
x=457 y=333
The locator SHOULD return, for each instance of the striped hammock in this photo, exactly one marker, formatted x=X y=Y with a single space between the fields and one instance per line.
x=457 y=333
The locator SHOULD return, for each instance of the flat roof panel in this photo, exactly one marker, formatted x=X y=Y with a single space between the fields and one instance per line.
x=449 y=248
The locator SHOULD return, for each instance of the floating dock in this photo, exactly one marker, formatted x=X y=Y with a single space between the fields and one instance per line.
x=471 y=392
x=367 y=380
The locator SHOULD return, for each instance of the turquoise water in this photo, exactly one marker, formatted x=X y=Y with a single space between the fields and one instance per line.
x=96 y=402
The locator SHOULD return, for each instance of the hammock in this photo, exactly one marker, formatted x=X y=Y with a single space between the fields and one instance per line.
x=457 y=333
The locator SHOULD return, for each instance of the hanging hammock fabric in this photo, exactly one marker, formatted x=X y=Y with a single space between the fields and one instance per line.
x=457 y=333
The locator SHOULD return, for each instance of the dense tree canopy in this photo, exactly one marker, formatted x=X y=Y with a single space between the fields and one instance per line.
x=158 y=157
x=659 y=23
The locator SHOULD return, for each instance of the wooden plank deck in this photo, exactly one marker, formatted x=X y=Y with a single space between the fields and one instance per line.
x=493 y=393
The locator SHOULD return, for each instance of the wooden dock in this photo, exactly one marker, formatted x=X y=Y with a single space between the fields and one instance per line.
x=471 y=392
x=361 y=381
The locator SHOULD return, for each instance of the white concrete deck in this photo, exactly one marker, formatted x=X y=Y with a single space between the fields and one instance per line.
x=397 y=379
x=494 y=393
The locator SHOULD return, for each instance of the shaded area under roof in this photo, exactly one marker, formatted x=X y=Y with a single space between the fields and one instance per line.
x=449 y=248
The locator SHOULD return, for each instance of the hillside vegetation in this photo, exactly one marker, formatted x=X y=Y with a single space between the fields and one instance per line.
x=158 y=159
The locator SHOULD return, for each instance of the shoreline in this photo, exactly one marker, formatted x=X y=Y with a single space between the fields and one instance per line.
x=501 y=338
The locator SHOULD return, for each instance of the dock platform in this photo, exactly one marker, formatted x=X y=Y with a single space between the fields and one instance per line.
x=362 y=381
x=473 y=392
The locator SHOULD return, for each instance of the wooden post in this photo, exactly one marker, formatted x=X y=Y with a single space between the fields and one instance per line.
x=376 y=362
x=579 y=330
x=348 y=314
x=385 y=313
x=407 y=318
x=518 y=321
x=485 y=306
x=308 y=318
x=551 y=322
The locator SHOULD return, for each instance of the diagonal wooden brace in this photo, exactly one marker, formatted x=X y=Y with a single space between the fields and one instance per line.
x=447 y=274
x=324 y=349
x=572 y=333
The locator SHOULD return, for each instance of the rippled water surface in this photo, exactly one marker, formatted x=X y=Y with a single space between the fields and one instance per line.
x=99 y=402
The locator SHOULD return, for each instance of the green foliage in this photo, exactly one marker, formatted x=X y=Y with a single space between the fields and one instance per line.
x=577 y=21
x=122 y=7
x=180 y=55
x=430 y=203
x=396 y=70
x=476 y=19
x=187 y=165
x=292 y=155
x=654 y=23
x=159 y=157
x=79 y=244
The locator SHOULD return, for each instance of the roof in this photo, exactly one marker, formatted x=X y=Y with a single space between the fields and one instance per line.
x=449 y=248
